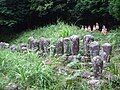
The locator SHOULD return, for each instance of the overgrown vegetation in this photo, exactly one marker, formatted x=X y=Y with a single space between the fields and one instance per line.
x=114 y=8
x=27 y=12
x=31 y=72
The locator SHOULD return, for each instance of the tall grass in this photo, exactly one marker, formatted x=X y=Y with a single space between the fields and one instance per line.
x=25 y=69
x=31 y=73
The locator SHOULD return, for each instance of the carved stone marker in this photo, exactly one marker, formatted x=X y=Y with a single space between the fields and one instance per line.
x=104 y=56
x=33 y=44
x=4 y=45
x=1 y=45
x=13 y=48
x=107 y=48
x=23 y=47
x=44 y=45
x=94 y=49
x=86 y=41
x=41 y=42
x=52 y=50
x=36 y=45
x=67 y=46
x=74 y=44
x=59 y=50
x=97 y=63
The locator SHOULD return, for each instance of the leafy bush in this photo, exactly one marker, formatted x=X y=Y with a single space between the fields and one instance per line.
x=89 y=11
x=13 y=12
x=33 y=12
x=28 y=12
x=114 y=8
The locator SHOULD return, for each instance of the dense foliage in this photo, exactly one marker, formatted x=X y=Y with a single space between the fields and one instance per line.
x=114 y=8
x=13 y=12
x=32 y=12
x=90 y=11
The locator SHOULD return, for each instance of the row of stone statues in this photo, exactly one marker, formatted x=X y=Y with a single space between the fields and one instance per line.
x=69 y=47
x=92 y=48
x=95 y=27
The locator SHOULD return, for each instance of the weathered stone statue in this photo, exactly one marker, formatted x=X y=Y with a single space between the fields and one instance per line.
x=7 y=45
x=53 y=50
x=74 y=44
x=107 y=48
x=13 y=48
x=4 y=45
x=97 y=26
x=41 y=42
x=86 y=41
x=94 y=49
x=30 y=42
x=44 y=45
x=104 y=30
x=104 y=56
x=67 y=46
x=23 y=47
x=59 y=50
x=36 y=45
x=89 y=28
x=33 y=44
x=97 y=63
x=94 y=28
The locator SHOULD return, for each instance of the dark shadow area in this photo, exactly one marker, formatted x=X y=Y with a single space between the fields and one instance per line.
x=63 y=10
x=8 y=34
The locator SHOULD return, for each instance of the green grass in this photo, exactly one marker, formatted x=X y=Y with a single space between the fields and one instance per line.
x=30 y=72
x=53 y=32
x=27 y=70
